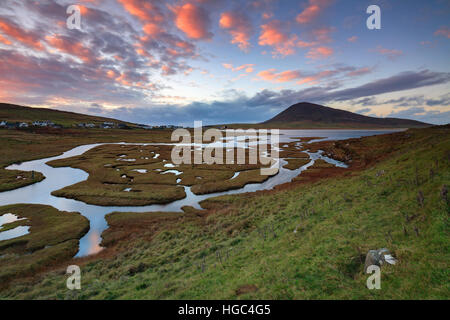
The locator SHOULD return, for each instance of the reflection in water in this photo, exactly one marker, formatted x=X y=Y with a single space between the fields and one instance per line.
x=94 y=243
x=235 y=175
x=57 y=178
x=14 y=233
x=8 y=218
x=176 y=172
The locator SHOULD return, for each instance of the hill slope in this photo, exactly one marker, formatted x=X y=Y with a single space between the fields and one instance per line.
x=13 y=113
x=306 y=114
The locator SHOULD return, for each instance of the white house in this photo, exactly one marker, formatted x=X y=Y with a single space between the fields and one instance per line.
x=107 y=125
x=3 y=123
x=45 y=123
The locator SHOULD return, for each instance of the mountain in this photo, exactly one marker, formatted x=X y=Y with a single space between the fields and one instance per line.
x=310 y=115
x=14 y=113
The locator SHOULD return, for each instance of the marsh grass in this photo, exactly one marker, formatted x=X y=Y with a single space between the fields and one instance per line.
x=337 y=220
x=53 y=237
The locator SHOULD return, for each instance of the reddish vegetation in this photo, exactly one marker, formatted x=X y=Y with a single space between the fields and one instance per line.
x=246 y=289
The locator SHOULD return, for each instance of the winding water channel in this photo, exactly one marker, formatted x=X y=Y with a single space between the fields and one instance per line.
x=57 y=178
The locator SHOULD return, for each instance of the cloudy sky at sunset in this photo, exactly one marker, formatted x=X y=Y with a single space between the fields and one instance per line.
x=226 y=61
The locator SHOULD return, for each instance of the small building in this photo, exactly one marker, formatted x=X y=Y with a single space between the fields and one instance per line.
x=45 y=123
x=123 y=126
x=12 y=125
x=23 y=125
x=107 y=125
x=3 y=123
x=89 y=125
x=144 y=126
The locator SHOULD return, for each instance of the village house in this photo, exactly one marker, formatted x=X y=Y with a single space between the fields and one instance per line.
x=86 y=125
x=45 y=123
x=107 y=125
x=144 y=126
x=3 y=123
x=123 y=126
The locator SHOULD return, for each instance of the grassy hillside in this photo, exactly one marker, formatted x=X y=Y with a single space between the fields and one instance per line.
x=302 y=241
x=13 y=113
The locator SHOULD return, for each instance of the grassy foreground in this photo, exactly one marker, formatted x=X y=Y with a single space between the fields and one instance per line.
x=53 y=237
x=303 y=241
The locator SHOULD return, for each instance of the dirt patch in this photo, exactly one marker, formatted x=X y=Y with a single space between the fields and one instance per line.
x=247 y=288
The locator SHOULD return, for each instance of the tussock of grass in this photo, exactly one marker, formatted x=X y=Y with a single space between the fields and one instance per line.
x=293 y=164
x=13 y=179
x=115 y=195
x=245 y=177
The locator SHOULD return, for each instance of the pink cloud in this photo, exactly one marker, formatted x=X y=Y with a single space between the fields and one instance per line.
x=359 y=72
x=149 y=14
x=285 y=76
x=5 y=41
x=267 y=15
x=323 y=35
x=193 y=21
x=312 y=79
x=443 y=31
x=392 y=54
x=13 y=31
x=312 y=11
x=248 y=67
x=273 y=35
x=319 y=53
x=238 y=25
x=69 y=47
x=352 y=39
x=143 y=10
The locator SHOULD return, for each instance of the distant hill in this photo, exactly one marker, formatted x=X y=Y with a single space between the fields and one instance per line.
x=310 y=115
x=13 y=113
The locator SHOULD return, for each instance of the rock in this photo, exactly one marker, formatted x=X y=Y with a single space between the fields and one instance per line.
x=380 y=173
x=378 y=258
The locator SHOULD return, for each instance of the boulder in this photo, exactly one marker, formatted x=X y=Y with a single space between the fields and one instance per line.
x=378 y=258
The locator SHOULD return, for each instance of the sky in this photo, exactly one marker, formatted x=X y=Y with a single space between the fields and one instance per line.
x=226 y=61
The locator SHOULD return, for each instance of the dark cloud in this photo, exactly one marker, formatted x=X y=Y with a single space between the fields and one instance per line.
x=402 y=81
x=420 y=114
x=363 y=111
x=266 y=103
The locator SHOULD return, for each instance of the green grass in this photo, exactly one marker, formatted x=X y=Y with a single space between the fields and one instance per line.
x=109 y=176
x=53 y=237
x=19 y=146
x=13 y=179
x=337 y=221
x=15 y=113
